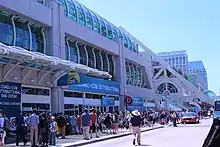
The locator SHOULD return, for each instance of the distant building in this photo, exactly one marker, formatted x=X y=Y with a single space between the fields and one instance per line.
x=197 y=75
x=177 y=59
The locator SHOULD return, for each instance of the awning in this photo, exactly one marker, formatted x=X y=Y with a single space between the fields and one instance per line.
x=18 y=56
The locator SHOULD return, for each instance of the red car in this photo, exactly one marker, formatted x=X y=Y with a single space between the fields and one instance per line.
x=190 y=117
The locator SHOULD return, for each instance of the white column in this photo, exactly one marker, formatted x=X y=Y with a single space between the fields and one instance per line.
x=114 y=66
x=14 y=30
x=57 y=100
x=94 y=57
x=78 y=53
x=107 y=62
x=68 y=47
x=44 y=39
x=30 y=37
x=87 y=56
x=101 y=60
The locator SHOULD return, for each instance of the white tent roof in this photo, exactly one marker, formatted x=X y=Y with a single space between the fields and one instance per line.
x=18 y=53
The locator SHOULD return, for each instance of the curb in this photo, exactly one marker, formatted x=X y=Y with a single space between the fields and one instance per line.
x=108 y=138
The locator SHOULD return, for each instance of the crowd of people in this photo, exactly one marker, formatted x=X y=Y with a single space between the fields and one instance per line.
x=45 y=128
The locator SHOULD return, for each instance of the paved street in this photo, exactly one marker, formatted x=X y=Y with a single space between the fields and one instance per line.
x=189 y=135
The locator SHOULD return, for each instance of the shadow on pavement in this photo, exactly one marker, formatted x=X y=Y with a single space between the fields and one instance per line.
x=144 y=145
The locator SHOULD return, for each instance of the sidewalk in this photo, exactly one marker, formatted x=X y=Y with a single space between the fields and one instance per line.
x=77 y=140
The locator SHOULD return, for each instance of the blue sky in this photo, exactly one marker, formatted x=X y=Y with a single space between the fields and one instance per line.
x=169 y=25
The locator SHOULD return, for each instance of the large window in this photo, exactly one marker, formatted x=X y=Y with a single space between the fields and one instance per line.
x=96 y=24
x=127 y=73
x=89 y=23
x=90 y=56
x=93 y=96
x=82 y=52
x=134 y=76
x=37 y=39
x=35 y=91
x=103 y=28
x=125 y=41
x=98 y=60
x=6 y=29
x=73 y=51
x=81 y=17
x=72 y=10
x=111 y=65
x=105 y=62
x=66 y=50
x=22 y=35
x=109 y=30
x=73 y=94
x=115 y=34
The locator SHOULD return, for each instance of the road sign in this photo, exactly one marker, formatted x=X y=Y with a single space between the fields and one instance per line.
x=128 y=100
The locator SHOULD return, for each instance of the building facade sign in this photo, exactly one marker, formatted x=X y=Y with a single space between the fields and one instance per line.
x=81 y=82
x=108 y=101
x=137 y=104
x=10 y=98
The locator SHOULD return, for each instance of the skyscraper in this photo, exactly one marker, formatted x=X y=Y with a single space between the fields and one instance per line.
x=198 y=75
x=177 y=59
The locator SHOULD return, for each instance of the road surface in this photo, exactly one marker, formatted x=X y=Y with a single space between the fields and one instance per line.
x=188 y=135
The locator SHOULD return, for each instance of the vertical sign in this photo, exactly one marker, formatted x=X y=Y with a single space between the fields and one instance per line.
x=10 y=98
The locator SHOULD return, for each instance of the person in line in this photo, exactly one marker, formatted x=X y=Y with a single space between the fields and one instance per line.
x=73 y=124
x=86 y=124
x=34 y=122
x=20 y=129
x=44 y=128
x=114 y=120
x=79 y=123
x=53 y=131
x=61 y=121
x=93 y=126
x=136 y=124
x=174 y=117
x=2 y=130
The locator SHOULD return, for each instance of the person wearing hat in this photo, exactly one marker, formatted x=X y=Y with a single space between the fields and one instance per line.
x=136 y=123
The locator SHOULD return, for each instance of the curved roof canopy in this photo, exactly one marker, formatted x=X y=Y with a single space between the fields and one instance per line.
x=24 y=56
x=92 y=20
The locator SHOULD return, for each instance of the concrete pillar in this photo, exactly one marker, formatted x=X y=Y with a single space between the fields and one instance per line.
x=56 y=35
x=57 y=99
x=120 y=75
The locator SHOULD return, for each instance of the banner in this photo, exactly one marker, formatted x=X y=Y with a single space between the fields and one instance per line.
x=81 y=82
x=10 y=98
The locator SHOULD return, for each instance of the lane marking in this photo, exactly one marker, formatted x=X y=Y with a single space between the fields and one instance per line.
x=164 y=143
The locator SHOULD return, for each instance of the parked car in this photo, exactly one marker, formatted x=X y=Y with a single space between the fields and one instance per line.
x=190 y=117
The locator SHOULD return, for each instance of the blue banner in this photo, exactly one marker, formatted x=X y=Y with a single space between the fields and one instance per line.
x=10 y=98
x=108 y=101
x=138 y=104
x=81 y=82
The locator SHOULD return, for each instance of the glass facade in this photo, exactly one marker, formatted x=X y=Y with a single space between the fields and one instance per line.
x=20 y=35
x=134 y=75
x=85 y=54
x=90 y=19
x=73 y=51
x=91 y=58
x=6 y=28
x=166 y=87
